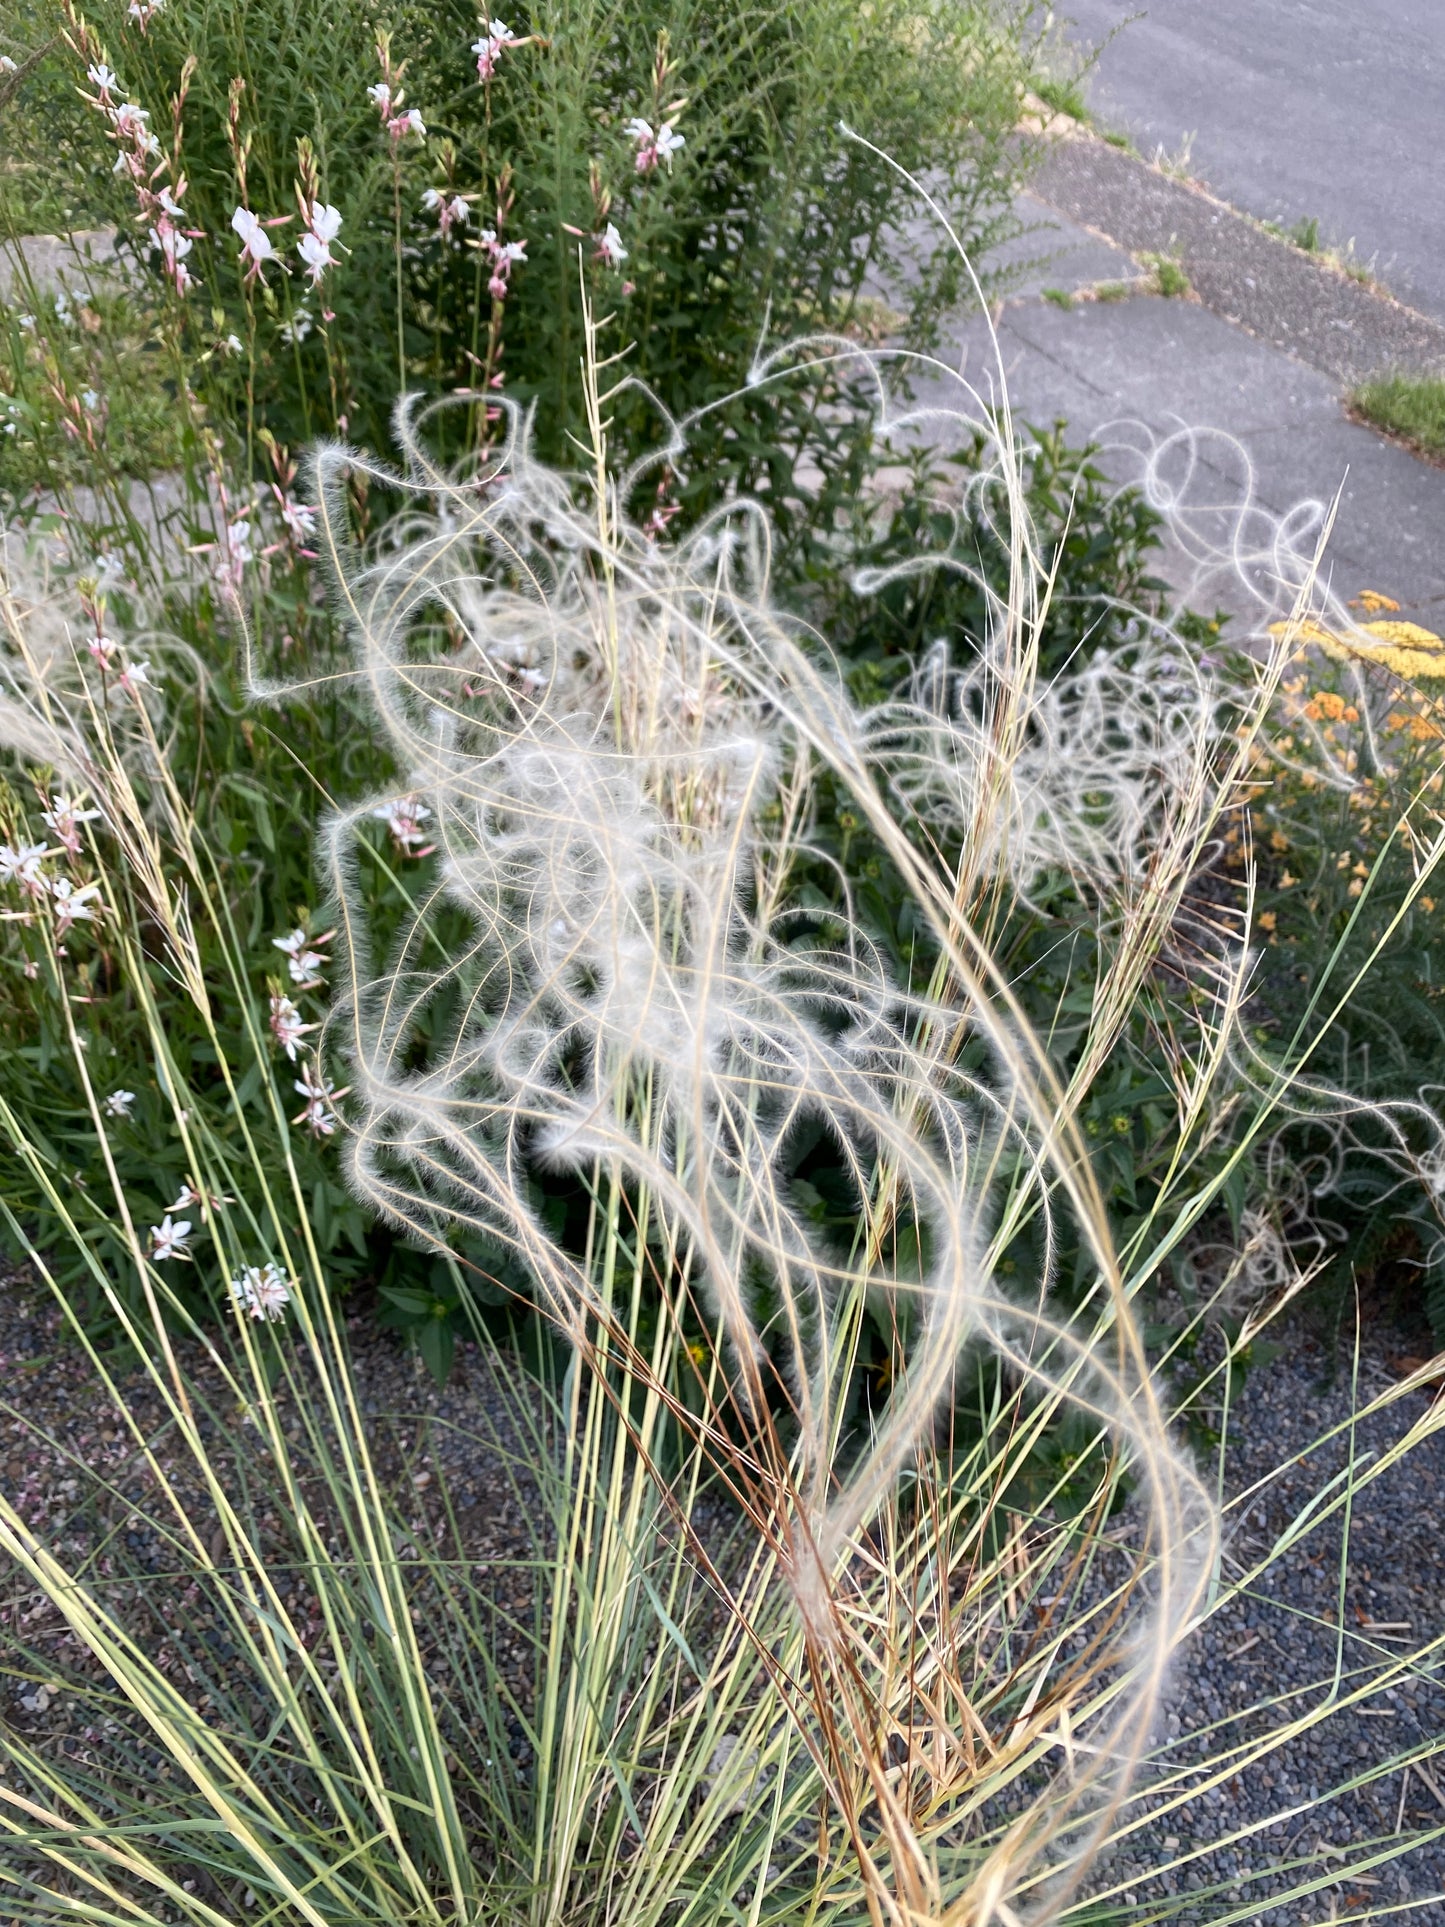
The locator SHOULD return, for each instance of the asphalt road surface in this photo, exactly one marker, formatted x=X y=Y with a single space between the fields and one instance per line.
x=1327 y=108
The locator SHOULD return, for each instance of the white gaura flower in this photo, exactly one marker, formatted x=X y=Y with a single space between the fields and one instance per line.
x=300 y=519
x=261 y=1292
x=119 y=1104
x=74 y=906
x=64 y=818
x=144 y=11
x=174 y=247
x=653 y=147
x=8 y=65
x=318 y=1113
x=380 y=96
x=496 y=37
x=451 y=210
x=404 y=819
x=168 y=1239
x=255 y=241
x=131 y=121
x=324 y=221
x=410 y=122
x=103 y=79
x=304 y=958
x=133 y=676
x=102 y=650
x=286 y=1025
x=505 y=254
x=22 y=866
x=234 y=552
x=231 y=345
x=609 y=246
x=190 y=1195
x=316 y=255
x=323 y=224
x=299 y=326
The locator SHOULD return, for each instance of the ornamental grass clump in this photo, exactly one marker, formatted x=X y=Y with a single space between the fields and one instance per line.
x=616 y=741
x=810 y=1635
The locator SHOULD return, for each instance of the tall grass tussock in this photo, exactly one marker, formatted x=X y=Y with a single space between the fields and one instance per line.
x=805 y=1035
x=821 y=1632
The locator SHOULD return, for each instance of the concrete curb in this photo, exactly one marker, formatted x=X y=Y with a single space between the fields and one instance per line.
x=1238 y=269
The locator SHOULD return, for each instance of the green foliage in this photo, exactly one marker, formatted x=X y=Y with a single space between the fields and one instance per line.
x=258 y=822
x=765 y=222
x=1305 y=234
x=951 y=517
x=88 y=390
x=766 y=217
x=1064 y=95
x=1341 y=831
x=49 y=183
x=1410 y=406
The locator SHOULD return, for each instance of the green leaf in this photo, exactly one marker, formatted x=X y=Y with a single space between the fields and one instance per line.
x=436 y=1340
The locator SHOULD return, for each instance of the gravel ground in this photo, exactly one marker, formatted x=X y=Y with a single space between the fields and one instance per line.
x=1276 y=1644
x=1271 y=1655
x=77 y=1478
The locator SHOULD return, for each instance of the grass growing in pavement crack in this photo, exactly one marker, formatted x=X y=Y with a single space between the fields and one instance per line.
x=1410 y=406
x=1062 y=96
x=1306 y=234
x=1168 y=274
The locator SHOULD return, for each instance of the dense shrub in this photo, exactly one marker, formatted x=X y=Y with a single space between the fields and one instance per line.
x=764 y=215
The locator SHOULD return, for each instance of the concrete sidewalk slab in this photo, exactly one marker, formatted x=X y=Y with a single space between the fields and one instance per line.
x=1267 y=430
x=43 y=264
x=1056 y=252
x=1330 y=109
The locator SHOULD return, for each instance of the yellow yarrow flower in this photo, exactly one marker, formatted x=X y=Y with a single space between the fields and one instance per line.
x=1408 y=651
